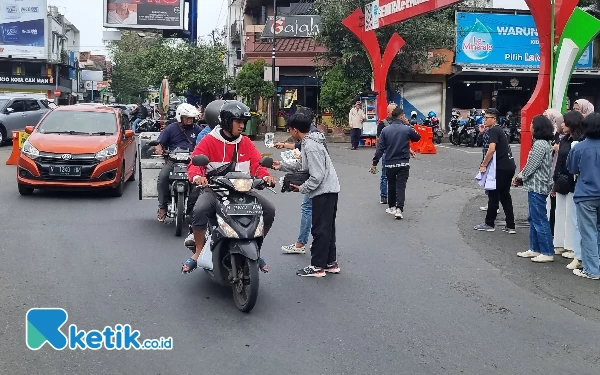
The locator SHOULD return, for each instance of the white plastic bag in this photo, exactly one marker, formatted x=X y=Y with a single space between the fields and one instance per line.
x=205 y=260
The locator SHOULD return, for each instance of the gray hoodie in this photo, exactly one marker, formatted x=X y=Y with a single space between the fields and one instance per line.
x=315 y=159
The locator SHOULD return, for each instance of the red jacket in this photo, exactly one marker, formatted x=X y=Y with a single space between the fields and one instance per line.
x=220 y=151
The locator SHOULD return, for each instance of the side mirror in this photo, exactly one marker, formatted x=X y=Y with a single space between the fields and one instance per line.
x=266 y=162
x=9 y=110
x=152 y=143
x=29 y=129
x=129 y=133
x=200 y=160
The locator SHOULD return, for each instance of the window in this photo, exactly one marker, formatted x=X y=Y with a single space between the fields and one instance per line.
x=18 y=105
x=79 y=121
x=45 y=103
x=33 y=105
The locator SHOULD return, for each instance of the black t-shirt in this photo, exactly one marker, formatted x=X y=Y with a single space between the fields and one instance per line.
x=504 y=158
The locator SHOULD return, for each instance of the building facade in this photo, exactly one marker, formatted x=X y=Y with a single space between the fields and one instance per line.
x=39 y=53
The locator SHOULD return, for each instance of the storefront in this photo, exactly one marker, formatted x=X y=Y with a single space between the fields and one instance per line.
x=497 y=63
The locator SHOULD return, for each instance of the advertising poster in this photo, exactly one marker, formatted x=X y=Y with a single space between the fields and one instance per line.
x=504 y=40
x=22 y=29
x=144 y=14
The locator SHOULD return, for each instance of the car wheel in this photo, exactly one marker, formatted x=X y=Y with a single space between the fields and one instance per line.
x=119 y=189
x=25 y=190
x=132 y=177
x=2 y=135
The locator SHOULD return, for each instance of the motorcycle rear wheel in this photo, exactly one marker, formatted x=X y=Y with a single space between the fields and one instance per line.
x=180 y=217
x=245 y=291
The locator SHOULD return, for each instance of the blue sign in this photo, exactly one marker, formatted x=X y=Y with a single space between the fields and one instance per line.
x=504 y=40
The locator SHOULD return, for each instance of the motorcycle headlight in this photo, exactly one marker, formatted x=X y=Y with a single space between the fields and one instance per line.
x=241 y=184
x=227 y=230
x=259 y=229
x=30 y=151
x=107 y=153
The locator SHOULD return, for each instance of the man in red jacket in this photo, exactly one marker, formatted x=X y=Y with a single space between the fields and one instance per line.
x=220 y=146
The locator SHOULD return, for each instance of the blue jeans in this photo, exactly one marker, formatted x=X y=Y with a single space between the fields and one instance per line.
x=306 y=220
x=540 y=235
x=135 y=123
x=588 y=218
x=383 y=181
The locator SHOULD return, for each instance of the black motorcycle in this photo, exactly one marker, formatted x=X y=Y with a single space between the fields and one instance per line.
x=180 y=185
x=453 y=131
x=514 y=130
x=147 y=125
x=235 y=234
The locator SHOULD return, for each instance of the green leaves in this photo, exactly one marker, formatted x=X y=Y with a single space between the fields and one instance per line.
x=250 y=83
x=337 y=92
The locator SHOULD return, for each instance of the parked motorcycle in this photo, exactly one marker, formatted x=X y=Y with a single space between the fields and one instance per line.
x=235 y=234
x=454 y=125
x=180 y=185
x=433 y=122
x=514 y=130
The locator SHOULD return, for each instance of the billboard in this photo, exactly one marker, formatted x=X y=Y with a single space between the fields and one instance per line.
x=22 y=29
x=144 y=14
x=504 y=40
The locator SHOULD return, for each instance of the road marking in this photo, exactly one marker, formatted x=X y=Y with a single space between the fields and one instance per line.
x=458 y=149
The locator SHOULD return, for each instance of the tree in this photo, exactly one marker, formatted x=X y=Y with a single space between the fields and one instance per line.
x=337 y=92
x=434 y=30
x=250 y=83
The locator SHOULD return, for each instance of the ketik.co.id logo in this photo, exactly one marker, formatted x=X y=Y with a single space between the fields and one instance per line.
x=43 y=326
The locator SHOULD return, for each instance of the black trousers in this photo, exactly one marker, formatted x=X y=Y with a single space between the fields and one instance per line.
x=501 y=195
x=355 y=134
x=552 y=213
x=397 y=178
x=323 y=249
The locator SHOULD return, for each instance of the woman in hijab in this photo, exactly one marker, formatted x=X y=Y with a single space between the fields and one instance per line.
x=556 y=118
x=583 y=106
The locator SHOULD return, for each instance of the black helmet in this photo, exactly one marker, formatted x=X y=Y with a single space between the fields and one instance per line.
x=211 y=113
x=233 y=110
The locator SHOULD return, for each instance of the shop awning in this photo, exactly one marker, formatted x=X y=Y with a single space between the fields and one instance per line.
x=293 y=45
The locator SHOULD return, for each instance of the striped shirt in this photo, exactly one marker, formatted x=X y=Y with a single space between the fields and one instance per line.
x=537 y=174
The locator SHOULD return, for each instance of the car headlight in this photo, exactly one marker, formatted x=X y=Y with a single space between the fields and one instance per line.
x=259 y=229
x=30 y=151
x=241 y=184
x=227 y=230
x=107 y=153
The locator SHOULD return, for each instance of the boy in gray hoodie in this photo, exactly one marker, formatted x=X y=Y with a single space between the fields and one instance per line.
x=322 y=187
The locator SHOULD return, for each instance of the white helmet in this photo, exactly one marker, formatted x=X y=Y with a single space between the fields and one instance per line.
x=413 y=114
x=186 y=110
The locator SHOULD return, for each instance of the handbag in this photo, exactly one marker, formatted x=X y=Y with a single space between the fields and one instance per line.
x=294 y=178
x=563 y=184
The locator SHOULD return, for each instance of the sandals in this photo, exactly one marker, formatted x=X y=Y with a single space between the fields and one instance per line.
x=161 y=216
x=262 y=265
x=191 y=264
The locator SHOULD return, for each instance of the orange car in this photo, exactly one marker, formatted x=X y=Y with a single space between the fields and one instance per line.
x=80 y=147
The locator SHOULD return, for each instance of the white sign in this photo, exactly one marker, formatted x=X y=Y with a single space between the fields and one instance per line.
x=144 y=14
x=89 y=85
x=372 y=15
x=374 y=11
x=92 y=75
x=23 y=29
x=268 y=74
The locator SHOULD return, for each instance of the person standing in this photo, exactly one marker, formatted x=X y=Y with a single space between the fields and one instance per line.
x=505 y=170
x=355 y=119
x=536 y=178
x=584 y=162
x=383 y=181
x=394 y=141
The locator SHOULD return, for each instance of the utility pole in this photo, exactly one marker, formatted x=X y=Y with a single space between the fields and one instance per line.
x=273 y=67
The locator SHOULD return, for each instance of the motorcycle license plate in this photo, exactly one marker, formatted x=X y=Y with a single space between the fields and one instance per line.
x=243 y=209
x=470 y=131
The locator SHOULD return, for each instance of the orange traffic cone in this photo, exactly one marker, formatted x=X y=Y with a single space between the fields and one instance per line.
x=14 y=156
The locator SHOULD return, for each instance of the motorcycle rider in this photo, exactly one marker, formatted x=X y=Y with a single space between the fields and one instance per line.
x=180 y=134
x=141 y=112
x=221 y=145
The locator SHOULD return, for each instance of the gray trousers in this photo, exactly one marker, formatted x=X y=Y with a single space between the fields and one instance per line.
x=162 y=186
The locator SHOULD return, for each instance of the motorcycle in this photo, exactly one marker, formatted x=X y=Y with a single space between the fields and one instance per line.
x=235 y=234
x=179 y=185
x=147 y=125
x=467 y=132
x=514 y=133
x=433 y=122
x=454 y=125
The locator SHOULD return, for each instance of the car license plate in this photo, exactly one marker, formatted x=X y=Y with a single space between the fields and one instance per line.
x=65 y=170
x=243 y=209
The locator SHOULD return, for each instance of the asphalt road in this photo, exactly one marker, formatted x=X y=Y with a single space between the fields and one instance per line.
x=426 y=295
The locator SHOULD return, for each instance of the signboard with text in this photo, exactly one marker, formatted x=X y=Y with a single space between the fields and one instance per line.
x=380 y=13
x=144 y=14
x=24 y=80
x=22 y=29
x=502 y=40
x=293 y=27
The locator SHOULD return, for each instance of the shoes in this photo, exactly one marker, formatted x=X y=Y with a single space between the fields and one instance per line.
x=581 y=273
x=575 y=264
x=559 y=250
x=333 y=267
x=398 y=214
x=569 y=254
x=484 y=208
x=528 y=254
x=509 y=230
x=543 y=258
x=484 y=228
x=391 y=210
x=292 y=249
x=311 y=271
x=383 y=200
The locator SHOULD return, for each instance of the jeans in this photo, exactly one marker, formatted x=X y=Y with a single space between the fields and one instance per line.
x=501 y=195
x=588 y=218
x=355 y=134
x=383 y=191
x=324 y=211
x=135 y=123
x=397 y=178
x=540 y=236
x=305 y=220
x=163 y=186
x=572 y=215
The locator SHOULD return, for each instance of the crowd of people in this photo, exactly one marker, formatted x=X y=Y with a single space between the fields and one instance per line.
x=562 y=183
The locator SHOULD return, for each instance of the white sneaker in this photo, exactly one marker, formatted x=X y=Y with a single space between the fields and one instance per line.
x=484 y=208
x=543 y=258
x=398 y=214
x=581 y=273
x=528 y=254
x=292 y=249
x=559 y=250
x=574 y=264
x=391 y=210
x=569 y=254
